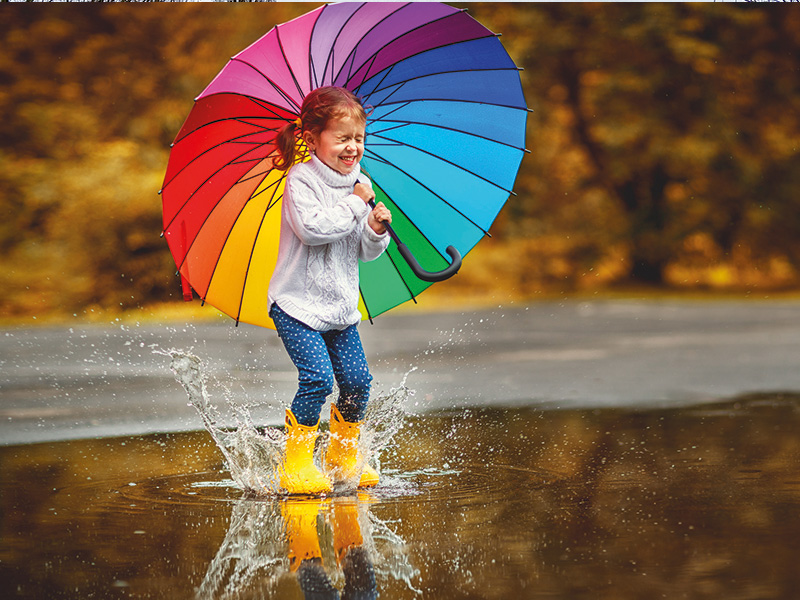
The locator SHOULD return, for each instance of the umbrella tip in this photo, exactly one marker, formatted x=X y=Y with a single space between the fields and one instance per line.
x=161 y=235
x=159 y=192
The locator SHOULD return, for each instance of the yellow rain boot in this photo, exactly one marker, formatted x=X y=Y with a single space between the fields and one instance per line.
x=346 y=530
x=298 y=474
x=343 y=458
x=351 y=554
x=300 y=522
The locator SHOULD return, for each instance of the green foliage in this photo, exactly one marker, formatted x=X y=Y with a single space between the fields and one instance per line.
x=665 y=144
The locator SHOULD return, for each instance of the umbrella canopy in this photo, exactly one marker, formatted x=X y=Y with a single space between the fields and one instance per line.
x=445 y=137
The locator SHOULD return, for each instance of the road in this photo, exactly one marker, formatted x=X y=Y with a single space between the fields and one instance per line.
x=90 y=380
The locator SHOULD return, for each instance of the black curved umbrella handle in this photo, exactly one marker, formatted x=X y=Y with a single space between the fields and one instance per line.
x=424 y=275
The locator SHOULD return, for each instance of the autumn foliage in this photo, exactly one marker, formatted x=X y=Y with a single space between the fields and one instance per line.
x=664 y=138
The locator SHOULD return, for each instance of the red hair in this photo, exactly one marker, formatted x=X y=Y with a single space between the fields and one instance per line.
x=320 y=106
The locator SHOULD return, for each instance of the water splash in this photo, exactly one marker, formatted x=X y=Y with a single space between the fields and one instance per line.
x=254 y=454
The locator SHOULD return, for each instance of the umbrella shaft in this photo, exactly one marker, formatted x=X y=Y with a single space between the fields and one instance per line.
x=424 y=275
x=388 y=227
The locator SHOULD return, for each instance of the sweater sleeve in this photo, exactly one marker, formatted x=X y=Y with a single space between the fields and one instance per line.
x=372 y=244
x=315 y=224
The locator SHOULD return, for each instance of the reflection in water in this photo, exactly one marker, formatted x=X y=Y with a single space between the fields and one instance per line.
x=696 y=502
x=329 y=544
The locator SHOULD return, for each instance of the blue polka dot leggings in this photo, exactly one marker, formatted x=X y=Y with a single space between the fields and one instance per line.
x=322 y=357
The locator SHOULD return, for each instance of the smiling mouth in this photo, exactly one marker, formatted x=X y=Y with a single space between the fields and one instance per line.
x=348 y=160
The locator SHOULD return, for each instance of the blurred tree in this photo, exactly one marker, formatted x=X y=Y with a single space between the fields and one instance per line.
x=660 y=121
x=92 y=99
x=661 y=134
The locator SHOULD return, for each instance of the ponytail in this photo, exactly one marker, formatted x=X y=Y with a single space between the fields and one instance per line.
x=286 y=144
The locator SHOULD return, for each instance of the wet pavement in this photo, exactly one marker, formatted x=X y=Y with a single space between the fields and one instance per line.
x=567 y=450
x=82 y=381
x=700 y=502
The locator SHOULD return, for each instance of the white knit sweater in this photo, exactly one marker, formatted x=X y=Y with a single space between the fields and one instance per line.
x=324 y=233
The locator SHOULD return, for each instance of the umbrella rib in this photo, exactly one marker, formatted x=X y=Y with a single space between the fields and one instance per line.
x=351 y=56
x=372 y=62
x=271 y=108
x=273 y=187
x=275 y=184
x=400 y=84
x=275 y=86
x=231 y=162
x=521 y=108
x=449 y=162
x=286 y=60
x=366 y=307
x=191 y=245
x=421 y=52
x=233 y=140
x=399 y=274
x=392 y=93
x=384 y=161
x=242 y=119
x=312 y=66
x=405 y=33
x=270 y=204
x=394 y=264
x=273 y=201
x=197 y=189
x=385 y=75
x=398 y=107
x=266 y=105
x=403 y=123
x=391 y=258
x=331 y=57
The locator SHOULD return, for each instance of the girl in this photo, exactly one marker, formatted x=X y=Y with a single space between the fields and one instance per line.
x=326 y=227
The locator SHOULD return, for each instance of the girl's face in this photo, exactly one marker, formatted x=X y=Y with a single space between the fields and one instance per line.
x=340 y=145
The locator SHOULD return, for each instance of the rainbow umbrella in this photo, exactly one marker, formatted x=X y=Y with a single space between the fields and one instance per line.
x=445 y=137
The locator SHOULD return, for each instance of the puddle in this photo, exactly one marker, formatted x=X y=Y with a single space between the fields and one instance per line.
x=700 y=502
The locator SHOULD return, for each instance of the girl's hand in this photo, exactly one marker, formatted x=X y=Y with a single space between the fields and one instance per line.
x=364 y=192
x=378 y=216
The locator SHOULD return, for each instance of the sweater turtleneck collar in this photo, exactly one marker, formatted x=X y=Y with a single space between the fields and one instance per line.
x=332 y=177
